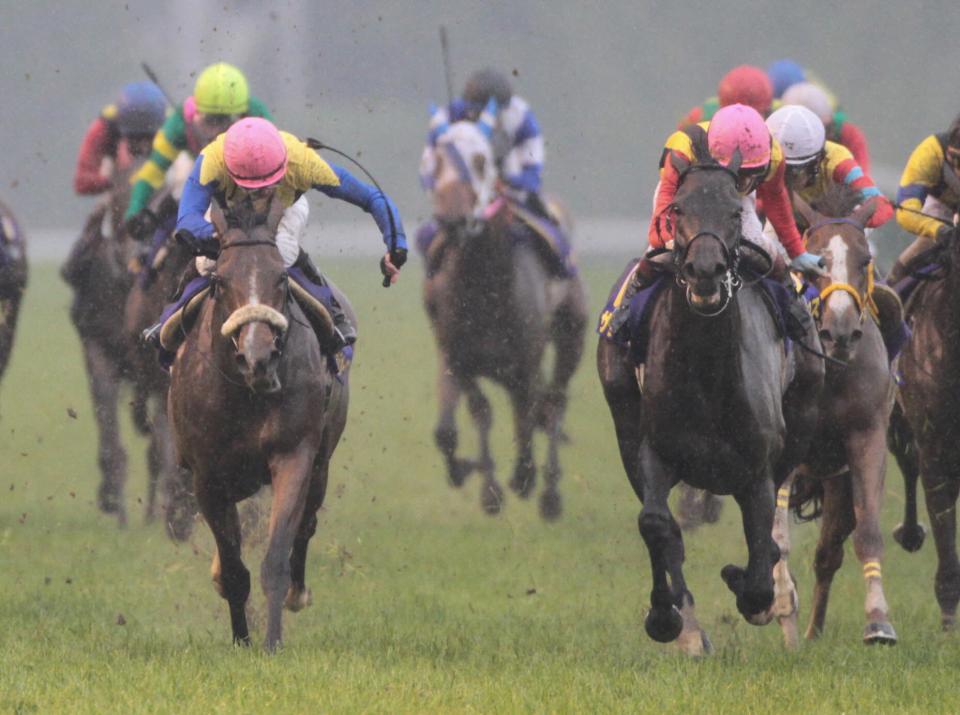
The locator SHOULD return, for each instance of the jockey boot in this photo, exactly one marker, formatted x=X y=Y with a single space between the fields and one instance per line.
x=344 y=332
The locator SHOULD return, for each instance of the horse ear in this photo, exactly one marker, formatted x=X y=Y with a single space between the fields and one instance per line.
x=807 y=212
x=865 y=212
x=218 y=218
x=679 y=162
x=735 y=161
x=274 y=214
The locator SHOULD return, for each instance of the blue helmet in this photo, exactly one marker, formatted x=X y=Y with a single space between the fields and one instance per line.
x=141 y=109
x=783 y=74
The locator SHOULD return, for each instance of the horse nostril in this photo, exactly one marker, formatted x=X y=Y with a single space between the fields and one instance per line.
x=689 y=271
x=240 y=359
x=856 y=335
x=274 y=355
x=719 y=269
x=825 y=336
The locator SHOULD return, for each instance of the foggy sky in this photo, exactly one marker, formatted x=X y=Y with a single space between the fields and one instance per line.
x=608 y=82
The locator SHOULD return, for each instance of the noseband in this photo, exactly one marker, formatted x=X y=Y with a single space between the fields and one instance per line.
x=861 y=301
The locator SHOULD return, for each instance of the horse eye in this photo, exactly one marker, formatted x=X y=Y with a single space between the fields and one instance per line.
x=676 y=210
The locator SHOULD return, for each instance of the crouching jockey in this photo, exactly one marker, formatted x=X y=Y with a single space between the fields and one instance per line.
x=928 y=198
x=518 y=150
x=220 y=97
x=254 y=160
x=120 y=134
x=735 y=128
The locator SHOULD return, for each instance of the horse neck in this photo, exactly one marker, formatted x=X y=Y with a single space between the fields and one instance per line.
x=708 y=348
x=486 y=260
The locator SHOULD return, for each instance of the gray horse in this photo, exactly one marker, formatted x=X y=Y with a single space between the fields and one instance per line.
x=495 y=307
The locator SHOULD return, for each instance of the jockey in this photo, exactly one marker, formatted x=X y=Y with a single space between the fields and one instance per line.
x=745 y=84
x=122 y=130
x=784 y=74
x=929 y=185
x=761 y=175
x=813 y=163
x=838 y=129
x=220 y=97
x=253 y=159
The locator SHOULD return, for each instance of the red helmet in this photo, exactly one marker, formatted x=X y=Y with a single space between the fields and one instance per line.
x=748 y=85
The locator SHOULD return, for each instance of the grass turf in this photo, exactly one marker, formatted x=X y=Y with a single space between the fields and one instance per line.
x=421 y=603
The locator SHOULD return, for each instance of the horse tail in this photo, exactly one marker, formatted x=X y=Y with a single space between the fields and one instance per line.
x=806 y=497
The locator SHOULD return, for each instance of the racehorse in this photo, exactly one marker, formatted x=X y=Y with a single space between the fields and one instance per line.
x=13 y=281
x=725 y=406
x=495 y=307
x=927 y=440
x=848 y=461
x=253 y=401
x=152 y=289
x=98 y=270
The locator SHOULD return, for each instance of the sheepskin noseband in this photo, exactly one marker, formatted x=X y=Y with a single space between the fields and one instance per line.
x=254 y=313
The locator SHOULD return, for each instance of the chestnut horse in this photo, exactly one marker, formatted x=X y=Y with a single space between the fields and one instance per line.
x=848 y=460
x=253 y=400
x=725 y=406
x=495 y=308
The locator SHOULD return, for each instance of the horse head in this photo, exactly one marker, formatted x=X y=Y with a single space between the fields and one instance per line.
x=835 y=231
x=465 y=176
x=706 y=218
x=250 y=291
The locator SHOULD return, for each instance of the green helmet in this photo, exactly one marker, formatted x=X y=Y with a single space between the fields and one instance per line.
x=221 y=89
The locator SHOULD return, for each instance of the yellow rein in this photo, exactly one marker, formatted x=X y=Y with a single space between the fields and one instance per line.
x=850 y=290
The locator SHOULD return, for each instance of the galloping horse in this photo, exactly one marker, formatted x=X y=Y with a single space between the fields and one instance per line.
x=253 y=400
x=725 y=406
x=13 y=281
x=848 y=462
x=929 y=444
x=152 y=289
x=494 y=308
x=99 y=273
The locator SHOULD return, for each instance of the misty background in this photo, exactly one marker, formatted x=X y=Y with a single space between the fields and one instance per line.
x=608 y=81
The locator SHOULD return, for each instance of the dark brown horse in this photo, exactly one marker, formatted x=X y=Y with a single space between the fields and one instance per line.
x=254 y=401
x=13 y=281
x=153 y=288
x=98 y=270
x=847 y=462
x=725 y=407
x=495 y=308
x=928 y=440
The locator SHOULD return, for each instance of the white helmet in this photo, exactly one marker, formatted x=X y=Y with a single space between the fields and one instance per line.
x=799 y=131
x=811 y=96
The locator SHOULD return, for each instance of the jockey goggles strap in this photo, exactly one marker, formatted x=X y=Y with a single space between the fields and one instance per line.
x=237 y=177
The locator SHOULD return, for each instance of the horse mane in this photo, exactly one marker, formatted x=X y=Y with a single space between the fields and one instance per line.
x=242 y=214
x=839 y=201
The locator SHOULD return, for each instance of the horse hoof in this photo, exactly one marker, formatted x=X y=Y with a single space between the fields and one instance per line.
x=297 y=600
x=551 y=505
x=108 y=500
x=179 y=524
x=910 y=538
x=664 y=626
x=491 y=498
x=712 y=508
x=524 y=477
x=754 y=604
x=948 y=622
x=880 y=633
x=458 y=472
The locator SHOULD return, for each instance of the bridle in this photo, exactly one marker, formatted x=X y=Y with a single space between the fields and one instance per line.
x=862 y=301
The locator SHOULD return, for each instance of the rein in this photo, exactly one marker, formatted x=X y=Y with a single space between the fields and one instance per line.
x=731 y=282
x=861 y=301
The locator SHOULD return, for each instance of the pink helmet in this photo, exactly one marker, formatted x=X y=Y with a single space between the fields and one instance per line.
x=738 y=126
x=254 y=153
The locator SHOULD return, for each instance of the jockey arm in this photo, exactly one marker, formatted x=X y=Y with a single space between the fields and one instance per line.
x=920 y=176
x=852 y=137
x=779 y=211
x=168 y=142
x=371 y=200
x=524 y=162
x=194 y=203
x=666 y=191
x=99 y=143
x=844 y=169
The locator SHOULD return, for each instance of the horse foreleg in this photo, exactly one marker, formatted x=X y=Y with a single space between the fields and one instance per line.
x=522 y=397
x=104 y=381
x=836 y=525
x=291 y=478
x=909 y=533
x=491 y=495
x=786 y=602
x=664 y=543
x=866 y=454
x=299 y=596
x=941 y=493
x=9 y=310
x=753 y=586
x=231 y=579
x=624 y=400
x=176 y=483
x=449 y=391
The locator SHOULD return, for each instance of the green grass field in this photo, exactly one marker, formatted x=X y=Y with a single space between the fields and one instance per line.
x=421 y=603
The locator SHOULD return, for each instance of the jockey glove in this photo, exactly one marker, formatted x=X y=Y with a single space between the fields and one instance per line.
x=142 y=224
x=398 y=257
x=208 y=247
x=808 y=263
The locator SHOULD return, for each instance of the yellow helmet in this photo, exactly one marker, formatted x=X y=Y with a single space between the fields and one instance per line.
x=221 y=89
